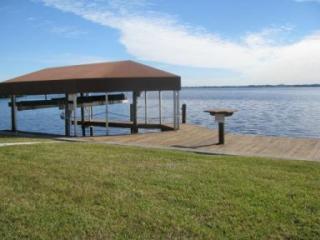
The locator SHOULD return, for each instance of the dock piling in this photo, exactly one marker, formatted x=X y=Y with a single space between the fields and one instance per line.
x=184 y=113
x=13 y=114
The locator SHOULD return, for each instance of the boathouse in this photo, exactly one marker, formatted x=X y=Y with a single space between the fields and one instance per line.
x=88 y=85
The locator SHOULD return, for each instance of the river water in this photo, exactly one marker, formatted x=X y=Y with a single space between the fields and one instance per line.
x=278 y=111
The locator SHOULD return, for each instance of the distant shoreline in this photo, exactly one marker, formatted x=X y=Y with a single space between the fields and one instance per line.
x=259 y=86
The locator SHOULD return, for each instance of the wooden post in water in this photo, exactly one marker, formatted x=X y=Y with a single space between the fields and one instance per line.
x=184 y=113
x=82 y=118
x=13 y=114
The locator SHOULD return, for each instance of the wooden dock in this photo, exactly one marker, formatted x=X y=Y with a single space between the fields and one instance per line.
x=200 y=139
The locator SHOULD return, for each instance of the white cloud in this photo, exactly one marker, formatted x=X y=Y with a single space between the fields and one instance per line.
x=316 y=1
x=67 y=31
x=44 y=61
x=52 y=58
x=258 y=58
x=71 y=59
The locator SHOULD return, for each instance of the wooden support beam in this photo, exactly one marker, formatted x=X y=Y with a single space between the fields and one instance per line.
x=13 y=114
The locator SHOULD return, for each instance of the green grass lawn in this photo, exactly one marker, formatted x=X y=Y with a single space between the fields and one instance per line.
x=14 y=139
x=87 y=191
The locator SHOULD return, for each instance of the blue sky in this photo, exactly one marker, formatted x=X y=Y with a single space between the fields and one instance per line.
x=207 y=42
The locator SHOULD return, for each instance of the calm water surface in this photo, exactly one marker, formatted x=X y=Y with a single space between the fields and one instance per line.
x=279 y=111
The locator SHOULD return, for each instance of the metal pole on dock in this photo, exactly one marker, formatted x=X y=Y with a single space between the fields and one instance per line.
x=13 y=114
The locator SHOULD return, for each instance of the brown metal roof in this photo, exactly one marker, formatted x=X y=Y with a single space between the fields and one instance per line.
x=97 y=77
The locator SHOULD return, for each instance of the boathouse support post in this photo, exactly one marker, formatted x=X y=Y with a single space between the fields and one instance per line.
x=160 y=108
x=131 y=112
x=178 y=109
x=67 y=116
x=174 y=110
x=83 y=128
x=135 y=112
x=13 y=114
x=90 y=117
x=145 y=108
x=74 y=110
x=107 y=114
